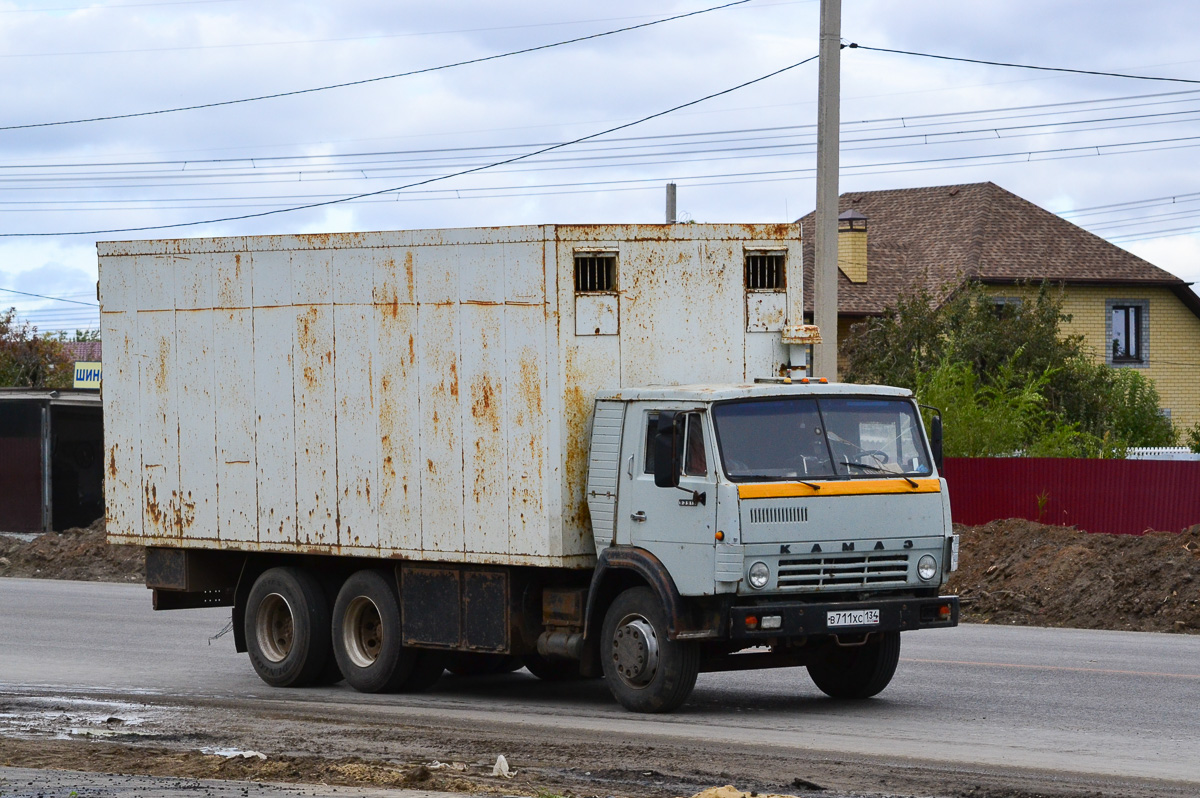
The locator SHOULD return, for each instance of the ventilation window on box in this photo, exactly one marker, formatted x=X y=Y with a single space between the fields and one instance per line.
x=595 y=272
x=765 y=271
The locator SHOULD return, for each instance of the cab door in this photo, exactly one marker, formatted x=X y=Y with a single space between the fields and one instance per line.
x=677 y=525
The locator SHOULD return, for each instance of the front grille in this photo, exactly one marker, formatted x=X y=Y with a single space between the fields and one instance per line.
x=844 y=570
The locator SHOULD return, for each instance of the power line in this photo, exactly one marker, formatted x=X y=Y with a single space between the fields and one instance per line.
x=1023 y=66
x=337 y=168
x=375 y=79
x=55 y=298
x=435 y=179
x=905 y=124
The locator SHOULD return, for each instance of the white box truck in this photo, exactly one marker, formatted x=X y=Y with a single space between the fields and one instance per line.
x=588 y=449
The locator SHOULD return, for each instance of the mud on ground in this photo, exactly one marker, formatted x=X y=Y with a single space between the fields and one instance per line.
x=80 y=554
x=1030 y=574
x=1010 y=572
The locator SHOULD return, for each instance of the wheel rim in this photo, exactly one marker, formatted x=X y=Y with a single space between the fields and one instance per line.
x=635 y=651
x=275 y=628
x=362 y=632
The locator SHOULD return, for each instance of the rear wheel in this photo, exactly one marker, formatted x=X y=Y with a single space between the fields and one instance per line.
x=644 y=670
x=857 y=671
x=367 y=639
x=287 y=627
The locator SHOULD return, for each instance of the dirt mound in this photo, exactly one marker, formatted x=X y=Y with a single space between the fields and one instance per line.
x=81 y=554
x=1023 y=572
x=1010 y=572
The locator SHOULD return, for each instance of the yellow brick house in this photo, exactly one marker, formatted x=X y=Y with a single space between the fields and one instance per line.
x=1131 y=313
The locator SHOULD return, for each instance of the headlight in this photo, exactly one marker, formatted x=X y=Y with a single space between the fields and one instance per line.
x=926 y=567
x=759 y=575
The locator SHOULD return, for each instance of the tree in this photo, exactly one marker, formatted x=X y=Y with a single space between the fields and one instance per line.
x=29 y=360
x=978 y=357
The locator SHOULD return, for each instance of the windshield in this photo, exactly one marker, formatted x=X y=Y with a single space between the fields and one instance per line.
x=805 y=438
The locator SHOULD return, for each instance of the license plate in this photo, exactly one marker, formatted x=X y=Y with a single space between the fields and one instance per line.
x=852 y=618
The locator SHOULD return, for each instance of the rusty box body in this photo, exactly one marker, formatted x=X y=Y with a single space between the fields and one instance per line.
x=422 y=395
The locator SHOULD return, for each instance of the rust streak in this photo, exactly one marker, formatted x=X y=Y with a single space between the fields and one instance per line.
x=408 y=271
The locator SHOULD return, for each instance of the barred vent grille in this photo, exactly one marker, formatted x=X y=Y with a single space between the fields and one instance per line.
x=853 y=570
x=778 y=515
x=596 y=272
x=764 y=271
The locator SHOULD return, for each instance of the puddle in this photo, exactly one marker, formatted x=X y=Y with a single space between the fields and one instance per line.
x=67 y=718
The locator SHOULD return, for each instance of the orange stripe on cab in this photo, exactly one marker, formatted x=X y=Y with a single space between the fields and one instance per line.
x=846 y=487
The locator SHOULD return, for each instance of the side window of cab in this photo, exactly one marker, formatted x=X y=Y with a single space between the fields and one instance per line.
x=695 y=456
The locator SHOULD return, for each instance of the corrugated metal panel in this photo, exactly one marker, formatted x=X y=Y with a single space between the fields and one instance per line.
x=159 y=423
x=274 y=323
x=122 y=401
x=440 y=426
x=1111 y=496
x=397 y=394
x=233 y=360
x=485 y=503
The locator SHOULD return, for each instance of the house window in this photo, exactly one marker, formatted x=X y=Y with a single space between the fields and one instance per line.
x=1005 y=307
x=1128 y=330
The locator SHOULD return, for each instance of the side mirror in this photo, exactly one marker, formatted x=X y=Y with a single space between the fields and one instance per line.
x=935 y=440
x=667 y=449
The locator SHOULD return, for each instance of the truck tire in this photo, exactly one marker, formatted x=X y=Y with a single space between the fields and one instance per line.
x=857 y=671
x=644 y=670
x=287 y=627
x=367 y=637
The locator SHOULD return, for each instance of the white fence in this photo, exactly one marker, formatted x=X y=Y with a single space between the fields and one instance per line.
x=1161 y=453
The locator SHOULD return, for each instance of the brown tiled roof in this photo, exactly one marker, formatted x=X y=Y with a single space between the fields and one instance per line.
x=83 y=351
x=935 y=238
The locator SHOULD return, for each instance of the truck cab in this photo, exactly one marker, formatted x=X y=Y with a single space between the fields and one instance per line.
x=806 y=519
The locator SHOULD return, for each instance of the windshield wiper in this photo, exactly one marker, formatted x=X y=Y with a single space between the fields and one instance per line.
x=776 y=478
x=876 y=468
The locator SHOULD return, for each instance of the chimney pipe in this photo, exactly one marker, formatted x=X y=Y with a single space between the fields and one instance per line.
x=670 y=203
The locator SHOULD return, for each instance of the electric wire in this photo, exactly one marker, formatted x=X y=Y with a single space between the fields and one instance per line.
x=960 y=59
x=632 y=142
x=364 y=81
x=55 y=298
x=434 y=179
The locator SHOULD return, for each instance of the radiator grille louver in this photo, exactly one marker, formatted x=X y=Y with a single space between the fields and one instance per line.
x=778 y=515
x=844 y=570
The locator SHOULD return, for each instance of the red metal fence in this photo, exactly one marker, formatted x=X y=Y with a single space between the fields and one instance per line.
x=1121 y=497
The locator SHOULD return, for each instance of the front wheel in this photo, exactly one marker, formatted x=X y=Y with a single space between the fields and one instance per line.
x=644 y=670
x=857 y=671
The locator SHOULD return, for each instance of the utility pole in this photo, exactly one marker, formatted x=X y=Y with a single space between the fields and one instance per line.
x=670 y=203
x=825 y=240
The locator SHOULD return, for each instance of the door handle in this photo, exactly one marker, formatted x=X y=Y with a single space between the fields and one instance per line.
x=640 y=515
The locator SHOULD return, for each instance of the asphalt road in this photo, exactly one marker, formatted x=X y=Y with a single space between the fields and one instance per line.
x=1107 y=704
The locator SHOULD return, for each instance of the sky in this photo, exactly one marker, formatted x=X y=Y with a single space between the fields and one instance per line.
x=1116 y=155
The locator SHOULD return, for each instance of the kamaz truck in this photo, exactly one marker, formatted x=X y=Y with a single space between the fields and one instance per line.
x=588 y=450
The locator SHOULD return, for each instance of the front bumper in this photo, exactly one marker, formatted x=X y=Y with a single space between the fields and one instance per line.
x=797 y=619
